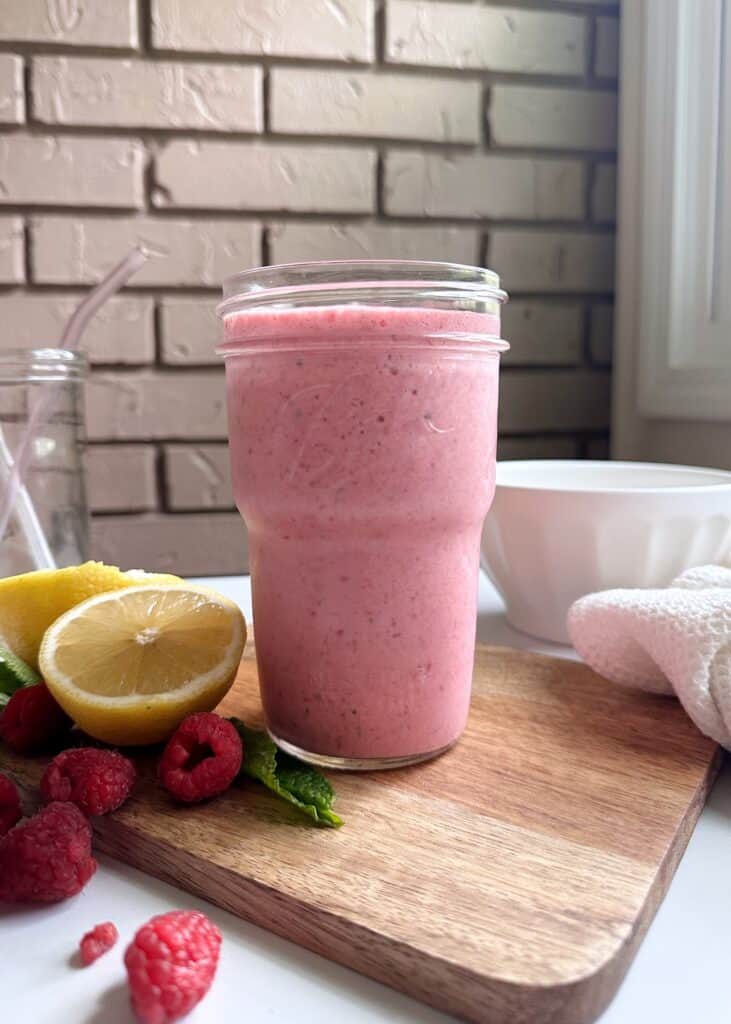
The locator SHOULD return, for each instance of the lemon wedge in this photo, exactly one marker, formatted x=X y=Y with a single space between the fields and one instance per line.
x=129 y=665
x=29 y=603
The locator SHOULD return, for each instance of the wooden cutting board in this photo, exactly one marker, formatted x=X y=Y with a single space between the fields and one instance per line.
x=510 y=882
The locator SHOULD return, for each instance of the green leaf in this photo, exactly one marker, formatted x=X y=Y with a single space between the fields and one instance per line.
x=292 y=780
x=14 y=673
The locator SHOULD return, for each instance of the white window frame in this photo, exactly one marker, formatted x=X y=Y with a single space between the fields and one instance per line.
x=674 y=273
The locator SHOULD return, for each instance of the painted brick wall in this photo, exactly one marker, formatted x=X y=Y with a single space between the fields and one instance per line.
x=234 y=132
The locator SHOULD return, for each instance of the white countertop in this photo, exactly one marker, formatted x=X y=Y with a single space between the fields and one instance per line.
x=680 y=973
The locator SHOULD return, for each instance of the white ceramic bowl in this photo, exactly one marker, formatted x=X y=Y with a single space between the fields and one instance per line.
x=560 y=529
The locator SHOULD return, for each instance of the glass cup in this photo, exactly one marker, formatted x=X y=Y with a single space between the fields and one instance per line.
x=362 y=406
x=55 y=479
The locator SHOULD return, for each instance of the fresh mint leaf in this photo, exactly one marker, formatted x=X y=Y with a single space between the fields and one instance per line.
x=292 y=780
x=14 y=673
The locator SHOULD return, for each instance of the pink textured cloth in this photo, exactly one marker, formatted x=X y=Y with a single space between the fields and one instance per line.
x=675 y=641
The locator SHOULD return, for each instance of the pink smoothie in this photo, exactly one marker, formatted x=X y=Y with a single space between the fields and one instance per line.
x=363 y=459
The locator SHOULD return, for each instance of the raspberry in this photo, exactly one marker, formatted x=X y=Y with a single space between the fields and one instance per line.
x=202 y=758
x=10 y=812
x=97 y=942
x=170 y=965
x=32 y=719
x=97 y=781
x=46 y=858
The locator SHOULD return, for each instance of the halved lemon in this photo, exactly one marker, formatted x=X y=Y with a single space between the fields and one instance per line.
x=29 y=603
x=128 y=666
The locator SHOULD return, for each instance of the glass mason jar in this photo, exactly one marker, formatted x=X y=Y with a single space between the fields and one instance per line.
x=362 y=406
x=54 y=502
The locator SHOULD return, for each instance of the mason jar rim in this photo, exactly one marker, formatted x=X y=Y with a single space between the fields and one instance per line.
x=368 y=282
x=42 y=364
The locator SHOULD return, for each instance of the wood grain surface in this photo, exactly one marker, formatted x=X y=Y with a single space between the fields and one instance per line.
x=508 y=882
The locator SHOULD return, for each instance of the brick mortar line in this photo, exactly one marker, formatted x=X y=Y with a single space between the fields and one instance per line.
x=222 y=443
x=266 y=102
x=77 y=209
x=125 y=442
x=380 y=194
x=150 y=185
x=160 y=137
x=78 y=289
x=192 y=510
x=156 y=512
x=271 y=218
x=27 y=251
x=379 y=32
x=157 y=338
x=551 y=369
x=587 y=80
x=191 y=369
x=536 y=79
x=37 y=129
x=188 y=442
x=40 y=48
x=479 y=225
x=27 y=91
x=212 y=370
x=592 y=40
x=144 y=28
x=590 y=177
x=161 y=485
x=399 y=220
x=130 y=215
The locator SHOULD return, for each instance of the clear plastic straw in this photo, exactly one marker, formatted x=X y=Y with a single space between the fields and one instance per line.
x=13 y=471
x=88 y=307
x=35 y=538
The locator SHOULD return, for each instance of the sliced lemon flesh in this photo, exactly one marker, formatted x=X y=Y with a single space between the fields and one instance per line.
x=29 y=603
x=129 y=665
